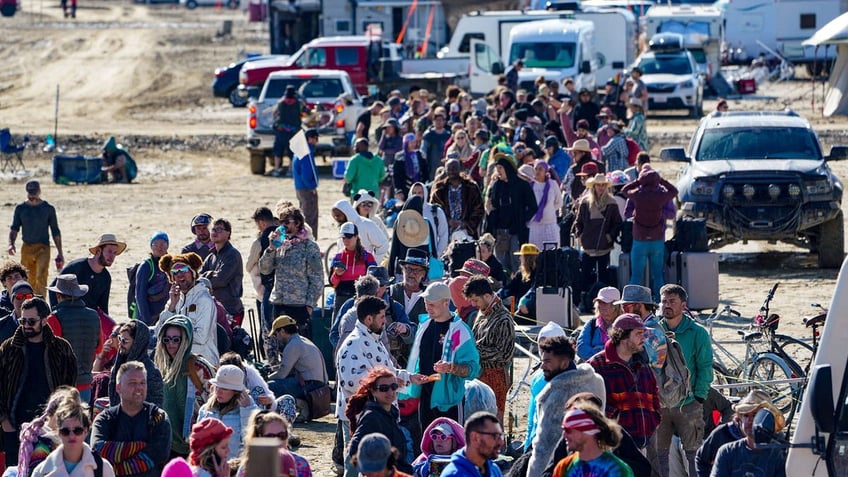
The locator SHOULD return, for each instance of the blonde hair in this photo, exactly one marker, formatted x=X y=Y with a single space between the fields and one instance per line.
x=256 y=427
x=171 y=368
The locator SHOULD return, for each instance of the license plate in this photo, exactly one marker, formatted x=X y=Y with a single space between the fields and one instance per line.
x=659 y=99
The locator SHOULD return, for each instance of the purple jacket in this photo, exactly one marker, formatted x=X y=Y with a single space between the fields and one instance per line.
x=649 y=194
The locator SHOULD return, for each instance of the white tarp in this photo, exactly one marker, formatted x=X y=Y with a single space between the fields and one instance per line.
x=835 y=33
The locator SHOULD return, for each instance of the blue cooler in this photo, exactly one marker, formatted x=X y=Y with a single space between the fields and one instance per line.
x=79 y=169
x=339 y=167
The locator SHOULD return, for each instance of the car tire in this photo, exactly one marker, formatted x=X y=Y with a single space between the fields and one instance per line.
x=831 y=243
x=236 y=99
x=191 y=4
x=257 y=162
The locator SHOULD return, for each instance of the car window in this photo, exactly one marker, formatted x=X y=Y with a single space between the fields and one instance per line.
x=317 y=57
x=320 y=88
x=758 y=144
x=544 y=55
x=664 y=64
x=699 y=55
x=347 y=56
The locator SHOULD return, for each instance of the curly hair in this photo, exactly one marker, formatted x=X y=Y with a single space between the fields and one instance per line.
x=11 y=267
x=356 y=403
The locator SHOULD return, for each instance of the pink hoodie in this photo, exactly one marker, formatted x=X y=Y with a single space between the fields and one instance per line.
x=427 y=443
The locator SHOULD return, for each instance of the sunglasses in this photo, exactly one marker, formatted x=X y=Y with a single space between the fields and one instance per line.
x=440 y=437
x=218 y=230
x=384 y=388
x=370 y=193
x=30 y=321
x=367 y=204
x=127 y=340
x=78 y=431
x=171 y=339
x=289 y=221
x=281 y=435
x=180 y=268
x=23 y=296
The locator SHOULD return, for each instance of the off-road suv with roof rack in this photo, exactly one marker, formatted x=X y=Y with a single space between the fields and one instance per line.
x=763 y=176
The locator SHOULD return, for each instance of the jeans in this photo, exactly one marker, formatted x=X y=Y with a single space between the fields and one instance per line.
x=291 y=385
x=651 y=252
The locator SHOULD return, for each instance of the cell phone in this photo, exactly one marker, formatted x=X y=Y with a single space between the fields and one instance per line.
x=339 y=264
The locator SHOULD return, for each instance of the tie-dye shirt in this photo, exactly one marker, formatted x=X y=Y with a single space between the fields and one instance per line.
x=606 y=465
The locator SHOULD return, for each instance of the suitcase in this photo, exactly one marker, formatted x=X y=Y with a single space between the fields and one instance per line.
x=623 y=272
x=697 y=272
x=554 y=304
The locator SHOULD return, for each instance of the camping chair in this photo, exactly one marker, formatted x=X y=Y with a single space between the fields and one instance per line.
x=10 y=151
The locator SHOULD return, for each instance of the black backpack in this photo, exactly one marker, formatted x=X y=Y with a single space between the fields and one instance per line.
x=132 y=306
x=460 y=252
x=690 y=235
x=558 y=268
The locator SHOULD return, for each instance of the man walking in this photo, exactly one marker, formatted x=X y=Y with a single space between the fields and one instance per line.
x=288 y=114
x=459 y=196
x=494 y=334
x=687 y=418
x=133 y=435
x=224 y=269
x=36 y=217
x=305 y=176
x=484 y=438
x=34 y=364
x=295 y=260
x=93 y=272
x=632 y=396
x=202 y=243
x=79 y=325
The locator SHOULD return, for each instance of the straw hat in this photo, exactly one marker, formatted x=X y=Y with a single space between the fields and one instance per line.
x=108 y=239
x=580 y=145
x=411 y=228
x=598 y=179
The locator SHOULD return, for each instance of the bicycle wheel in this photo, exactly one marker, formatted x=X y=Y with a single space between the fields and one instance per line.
x=770 y=367
x=722 y=375
x=800 y=351
x=329 y=253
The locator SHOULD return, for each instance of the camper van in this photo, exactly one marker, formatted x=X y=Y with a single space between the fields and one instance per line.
x=780 y=25
x=702 y=29
x=615 y=50
x=555 y=49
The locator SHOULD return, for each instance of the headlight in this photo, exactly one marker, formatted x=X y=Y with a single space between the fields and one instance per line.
x=687 y=84
x=818 y=187
x=702 y=188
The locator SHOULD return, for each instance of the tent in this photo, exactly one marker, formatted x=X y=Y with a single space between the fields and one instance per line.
x=835 y=33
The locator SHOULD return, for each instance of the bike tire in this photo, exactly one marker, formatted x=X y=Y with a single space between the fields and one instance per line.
x=329 y=253
x=721 y=375
x=770 y=367
x=799 y=351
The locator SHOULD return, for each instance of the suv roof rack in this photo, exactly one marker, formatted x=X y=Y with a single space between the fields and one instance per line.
x=783 y=112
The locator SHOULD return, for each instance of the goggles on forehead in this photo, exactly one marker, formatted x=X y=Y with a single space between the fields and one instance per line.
x=178 y=268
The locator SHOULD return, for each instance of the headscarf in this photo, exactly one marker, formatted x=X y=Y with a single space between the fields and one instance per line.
x=410 y=159
x=540 y=212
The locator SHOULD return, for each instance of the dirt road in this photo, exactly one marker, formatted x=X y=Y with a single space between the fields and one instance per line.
x=131 y=70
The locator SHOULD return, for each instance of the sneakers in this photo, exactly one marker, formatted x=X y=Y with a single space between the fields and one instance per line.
x=277 y=172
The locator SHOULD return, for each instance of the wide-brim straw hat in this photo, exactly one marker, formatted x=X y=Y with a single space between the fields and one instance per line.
x=411 y=228
x=598 y=179
x=108 y=239
x=580 y=145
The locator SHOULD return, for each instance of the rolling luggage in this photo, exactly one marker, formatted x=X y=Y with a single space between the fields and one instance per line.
x=553 y=298
x=697 y=272
x=554 y=304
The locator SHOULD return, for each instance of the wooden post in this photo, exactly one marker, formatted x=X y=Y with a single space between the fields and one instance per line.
x=263 y=456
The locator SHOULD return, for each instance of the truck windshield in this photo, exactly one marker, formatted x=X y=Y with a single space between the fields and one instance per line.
x=544 y=55
x=666 y=64
x=757 y=144
x=307 y=88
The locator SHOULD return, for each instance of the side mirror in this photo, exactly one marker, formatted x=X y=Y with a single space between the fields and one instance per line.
x=498 y=68
x=763 y=427
x=676 y=154
x=838 y=153
x=585 y=67
x=820 y=398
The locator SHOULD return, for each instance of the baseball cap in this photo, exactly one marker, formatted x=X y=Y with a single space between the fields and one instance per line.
x=33 y=186
x=373 y=453
x=608 y=295
x=436 y=292
x=21 y=284
x=348 y=229
x=628 y=321
x=588 y=169
x=444 y=428
x=281 y=322
x=582 y=124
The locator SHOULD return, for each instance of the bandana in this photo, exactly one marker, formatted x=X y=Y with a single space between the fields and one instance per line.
x=579 y=420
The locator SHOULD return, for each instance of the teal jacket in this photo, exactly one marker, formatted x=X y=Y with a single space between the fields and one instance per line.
x=459 y=348
x=698 y=350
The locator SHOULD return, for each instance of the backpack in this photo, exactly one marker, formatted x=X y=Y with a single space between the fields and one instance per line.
x=558 y=268
x=98 y=472
x=633 y=150
x=673 y=380
x=132 y=305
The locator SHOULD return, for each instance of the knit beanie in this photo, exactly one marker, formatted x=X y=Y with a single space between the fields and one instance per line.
x=206 y=432
x=177 y=467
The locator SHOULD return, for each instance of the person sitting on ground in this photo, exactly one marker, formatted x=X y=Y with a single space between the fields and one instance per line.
x=521 y=283
x=210 y=445
x=272 y=425
x=443 y=437
x=230 y=403
x=115 y=161
x=301 y=365
x=253 y=382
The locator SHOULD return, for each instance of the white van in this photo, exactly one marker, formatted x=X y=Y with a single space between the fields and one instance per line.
x=702 y=28
x=555 y=49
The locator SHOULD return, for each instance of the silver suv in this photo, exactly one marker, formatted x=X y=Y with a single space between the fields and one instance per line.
x=763 y=176
x=673 y=80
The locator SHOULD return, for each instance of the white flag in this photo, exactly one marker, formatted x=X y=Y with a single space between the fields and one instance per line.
x=298 y=145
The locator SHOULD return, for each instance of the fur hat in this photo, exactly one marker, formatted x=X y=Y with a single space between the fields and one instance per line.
x=191 y=259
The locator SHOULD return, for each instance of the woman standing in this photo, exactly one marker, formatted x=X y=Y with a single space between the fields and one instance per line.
x=348 y=265
x=597 y=224
x=210 y=444
x=461 y=148
x=543 y=226
x=486 y=253
x=636 y=127
x=73 y=458
x=151 y=283
x=184 y=375
x=41 y=436
x=391 y=143
x=372 y=409
x=409 y=166
x=230 y=403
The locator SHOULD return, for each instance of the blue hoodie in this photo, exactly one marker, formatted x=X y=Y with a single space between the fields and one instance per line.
x=460 y=466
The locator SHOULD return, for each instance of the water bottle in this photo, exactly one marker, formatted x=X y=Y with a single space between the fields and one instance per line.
x=278 y=242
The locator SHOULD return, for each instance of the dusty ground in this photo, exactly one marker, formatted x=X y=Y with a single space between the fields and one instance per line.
x=143 y=74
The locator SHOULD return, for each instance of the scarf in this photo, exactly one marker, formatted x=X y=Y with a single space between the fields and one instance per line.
x=410 y=159
x=540 y=212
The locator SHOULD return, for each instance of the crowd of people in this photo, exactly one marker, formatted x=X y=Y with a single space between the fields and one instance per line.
x=423 y=316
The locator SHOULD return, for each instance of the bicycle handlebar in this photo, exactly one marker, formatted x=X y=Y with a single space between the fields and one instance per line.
x=773 y=289
x=730 y=310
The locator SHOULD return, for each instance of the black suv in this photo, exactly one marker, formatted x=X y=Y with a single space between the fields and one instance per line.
x=763 y=176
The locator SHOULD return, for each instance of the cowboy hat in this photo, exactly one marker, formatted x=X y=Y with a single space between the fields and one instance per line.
x=67 y=284
x=598 y=179
x=108 y=239
x=580 y=145
x=416 y=257
x=411 y=228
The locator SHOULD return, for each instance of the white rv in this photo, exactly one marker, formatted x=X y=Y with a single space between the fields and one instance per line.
x=702 y=28
x=616 y=49
x=780 y=25
x=555 y=49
